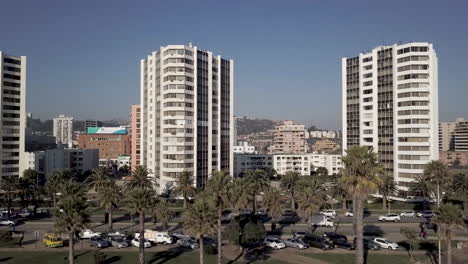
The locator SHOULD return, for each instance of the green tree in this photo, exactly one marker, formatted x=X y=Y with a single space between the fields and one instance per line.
x=32 y=175
x=289 y=182
x=449 y=218
x=257 y=181
x=422 y=187
x=410 y=235
x=99 y=179
x=274 y=203
x=162 y=213
x=218 y=191
x=199 y=220
x=56 y=180
x=140 y=180
x=438 y=178
x=185 y=186
x=460 y=188
x=137 y=201
x=340 y=191
x=361 y=177
x=311 y=197
x=71 y=214
x=24 y=187
x=321 y=171
x=239 y=194
x=110 y=197
x=8 y=185
x=386 y=188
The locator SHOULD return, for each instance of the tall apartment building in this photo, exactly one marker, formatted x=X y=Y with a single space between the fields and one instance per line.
x=446 y=136
x=390 y=103
x=135 y=123
x=186 y=114
x=460 y=134
x=289 y=137
x=63 y=130
x=13 y=114
x=91 y=123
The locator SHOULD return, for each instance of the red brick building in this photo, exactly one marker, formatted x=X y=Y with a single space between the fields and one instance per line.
x=110 y=146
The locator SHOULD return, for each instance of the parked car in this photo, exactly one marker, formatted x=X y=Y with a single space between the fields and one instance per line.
x=290 y=213
x=321 y=220
x=136 y=243
x=7 y=222
x=178 y=235
x=52 y=240
x=390 y=217
x=87 y=234
x=295 y=243
x=408 y=214
x=299 y=234
x=425 y=214
x=118 y=242
x=338 y=240
x=383 y=243
x=25 y=213
x=317 y=242
x=187 y=243
x=273 y=242
x=368 y=244
x=117 y=234
x=329 y=213
x=349 y=213
x=98 y=241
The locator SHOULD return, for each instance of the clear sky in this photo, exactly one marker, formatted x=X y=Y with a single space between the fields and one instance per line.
x=83 y=56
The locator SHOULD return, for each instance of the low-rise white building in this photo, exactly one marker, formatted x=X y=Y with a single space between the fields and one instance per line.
x=331 y=162
x=244 y=162
x=244 y=148
x=324 y=134
x=299 y=163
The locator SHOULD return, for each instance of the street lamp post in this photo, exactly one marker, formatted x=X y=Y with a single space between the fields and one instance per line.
x=438 y=229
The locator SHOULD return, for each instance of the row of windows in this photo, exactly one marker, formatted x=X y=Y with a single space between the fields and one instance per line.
x=11 y=123
x=178 y=60
x=177 y=148
x=178 y=130
x=178 y=78
x=10 y=115
x=413 y=94
x=12 y=69
x=367 y=59
x=411 y=166
x=413 y=157
x=12 y=92
x=178 y=86
x=413 y=67
x=11 y=131
x=412 y=49
x=413 y=112
x=413 y=148
x=10 y=169
x=413 y=58
x=178 y=113
x=178 y=95
x=11 y=76
x=178 y=69
x=413 y=103
x=367 y=67
x=179 y=122
x=178 y=139
x=177 y=165
x=369 y=83
x=11 y=100
x=413 y=85
x=413 y=76
x=10 y=146
x=177 y=156
x=178 y=52
x=12 y=61
x=413 y=121
x=413 y=139
x=177 y=104
x=17 y=85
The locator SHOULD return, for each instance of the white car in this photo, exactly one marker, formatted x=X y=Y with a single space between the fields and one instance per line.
x=390 y=217
x=7 y=222
x=329 y=213
x=349 y=214
x=136 y=243
x=274 y=243
x=425 y=214
x=408 y=214
x=87 y=234
x=383 y=243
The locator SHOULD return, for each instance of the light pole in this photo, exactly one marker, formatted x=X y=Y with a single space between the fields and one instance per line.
x=438 y=229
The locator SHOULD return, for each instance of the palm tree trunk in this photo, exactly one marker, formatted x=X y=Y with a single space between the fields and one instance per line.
x=293 y=202
x=344 y=203
x=465 y=204
x=9 y=203
x=185 y=201
x=359 y=231
x=384 y=203
x=220 y=243
x=110 y=218
x=141 y=254
x=202 y=261
x=254 y=208
x=55 y=200
x=449 y=250
x=71 y=248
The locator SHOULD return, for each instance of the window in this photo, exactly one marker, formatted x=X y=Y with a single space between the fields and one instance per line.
x=367 y=67
x=413 y=76
x=367 y=59
x=413 y=58
x=368 y=83
x=12 y=61
x=367 y=75
x=368 y=107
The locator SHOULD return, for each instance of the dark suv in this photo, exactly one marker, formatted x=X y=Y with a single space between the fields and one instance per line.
x=338 y=240
x=368 y=244
x=317 y=242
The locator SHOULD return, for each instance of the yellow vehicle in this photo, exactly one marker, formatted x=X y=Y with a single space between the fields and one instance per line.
x=52 y=240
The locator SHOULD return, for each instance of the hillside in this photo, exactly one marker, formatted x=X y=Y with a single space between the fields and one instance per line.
x=246 y=125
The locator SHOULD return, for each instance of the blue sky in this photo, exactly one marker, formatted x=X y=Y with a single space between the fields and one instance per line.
x=83 y=56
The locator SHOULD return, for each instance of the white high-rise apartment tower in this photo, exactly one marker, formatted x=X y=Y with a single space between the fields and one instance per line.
x=390 y=103
x=13 y=114
x=186 y=114
x=63 y=130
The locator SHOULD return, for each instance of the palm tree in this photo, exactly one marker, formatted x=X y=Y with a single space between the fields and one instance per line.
x=32 y=175
x=361 y=177
x=8 y=184
x=312 y=197
x=239 y=194
x=162 y=213
x=217 y=189
x=109 y=196
x=99 y=179
x=258 y=182
x=422 y=187
x=54 y=182
x=321 y=172
x=386 y=187
x=185 y=186
x=289 y=183
x=24 y=187
x=274 y=204
x=436 y=173
x=140 y=179
x=460 y=188
x=199 y=220
x=71 y=214
x=338 y=190
x=449 y=217
x=137 y=201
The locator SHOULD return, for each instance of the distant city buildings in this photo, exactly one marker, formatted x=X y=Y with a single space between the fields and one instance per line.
x=289 y=137
x=324 y=134
x=186 y=114
x=325 y=145
x=390 y=103
x=135 y=124
x=63 y=130
x=244 y=162
x=244 y=148
x=453 y=142
x=13 y=114
x=111 y=142
x=91 y=123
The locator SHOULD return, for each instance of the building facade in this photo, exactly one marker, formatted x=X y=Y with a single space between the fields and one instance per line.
x=390 y=103
x=446 y=135
x=460 y=136
x=13 y=114
x=325 y=145
x=186 y=114
x=299 y=163
x=111 y=142
x=331 y=162
x=63 y=130
x=244 y=148
x=244 y=162
x=289 y=137
x=135 y=124
x=91 y=123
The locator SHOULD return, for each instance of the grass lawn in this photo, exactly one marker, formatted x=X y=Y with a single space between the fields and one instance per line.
x=349 y=258
x=87 y=257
